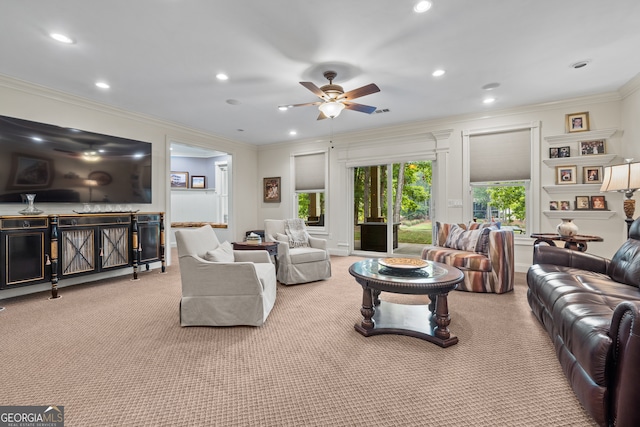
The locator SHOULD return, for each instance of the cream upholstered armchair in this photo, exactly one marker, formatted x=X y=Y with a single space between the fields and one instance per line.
x=301 y=258
x=220 y=286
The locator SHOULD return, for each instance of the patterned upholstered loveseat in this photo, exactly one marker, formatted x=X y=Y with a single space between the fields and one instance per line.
x=482 y=251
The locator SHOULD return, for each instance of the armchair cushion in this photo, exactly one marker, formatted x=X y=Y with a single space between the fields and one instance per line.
x=303 y=255
x=223 y=253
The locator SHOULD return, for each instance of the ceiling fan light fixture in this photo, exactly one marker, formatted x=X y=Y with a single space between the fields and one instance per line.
x=331 y=109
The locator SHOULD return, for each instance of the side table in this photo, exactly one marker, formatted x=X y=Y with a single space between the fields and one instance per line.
x=270 y=247
x=576 y=243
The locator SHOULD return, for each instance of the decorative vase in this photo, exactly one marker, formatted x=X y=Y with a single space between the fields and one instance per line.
x=567 y=228
x=31 y=209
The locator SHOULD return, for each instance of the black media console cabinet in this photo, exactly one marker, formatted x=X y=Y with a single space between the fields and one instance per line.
x=49 y=248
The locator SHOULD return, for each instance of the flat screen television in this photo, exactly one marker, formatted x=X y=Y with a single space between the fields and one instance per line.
x=65 y=165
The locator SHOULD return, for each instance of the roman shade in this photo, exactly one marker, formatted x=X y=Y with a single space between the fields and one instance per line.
x=502 y=156
x=310 y=170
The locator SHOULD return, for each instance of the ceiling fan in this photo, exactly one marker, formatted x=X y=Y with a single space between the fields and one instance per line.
x=335 y=99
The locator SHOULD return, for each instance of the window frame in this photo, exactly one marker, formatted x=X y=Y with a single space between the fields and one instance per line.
x=325 y=190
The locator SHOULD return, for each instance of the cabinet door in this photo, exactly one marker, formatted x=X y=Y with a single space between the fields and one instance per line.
x=149 y=236
x=24 y=255
x=114 y=249
x=77 y=251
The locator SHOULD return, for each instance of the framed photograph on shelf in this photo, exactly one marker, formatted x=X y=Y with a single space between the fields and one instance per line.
x=592 y=174
x=272 y=190
x=179 y=179
x=566 y=175
x=588 y=148
x=582 y=203
x=553 y=205
x=577 y=122
x=565 y=205
x=198 y=181
x=598 y=203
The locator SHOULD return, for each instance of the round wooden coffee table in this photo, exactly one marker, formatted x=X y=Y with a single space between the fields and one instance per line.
x=428 y=322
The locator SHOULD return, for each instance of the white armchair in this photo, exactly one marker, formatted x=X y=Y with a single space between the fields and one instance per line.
x=240 y=290
x=298 y=264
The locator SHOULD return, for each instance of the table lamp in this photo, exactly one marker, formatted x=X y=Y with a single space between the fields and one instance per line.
x=625 y=179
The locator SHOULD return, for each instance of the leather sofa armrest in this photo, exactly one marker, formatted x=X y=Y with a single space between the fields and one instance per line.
x=543 y=254
x=625 y=383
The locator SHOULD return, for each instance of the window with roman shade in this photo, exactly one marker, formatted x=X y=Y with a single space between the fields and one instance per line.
x=310 y=171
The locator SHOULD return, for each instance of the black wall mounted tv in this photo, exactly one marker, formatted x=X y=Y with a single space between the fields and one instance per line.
x=65 y=165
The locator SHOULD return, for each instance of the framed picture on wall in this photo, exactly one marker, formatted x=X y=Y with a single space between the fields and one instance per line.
x=179 y=179
x=198 y=181
x=577 y=122
x=272 y=190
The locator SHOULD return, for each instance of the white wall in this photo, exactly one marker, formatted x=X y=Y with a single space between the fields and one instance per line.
x=606 y=111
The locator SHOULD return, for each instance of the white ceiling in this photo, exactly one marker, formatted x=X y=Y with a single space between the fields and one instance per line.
x=161 y=57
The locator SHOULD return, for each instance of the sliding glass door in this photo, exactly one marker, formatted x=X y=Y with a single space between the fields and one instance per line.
x=399 y=191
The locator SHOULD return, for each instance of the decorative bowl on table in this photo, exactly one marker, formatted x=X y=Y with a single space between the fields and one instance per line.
x=253 y=239
x=403 y=263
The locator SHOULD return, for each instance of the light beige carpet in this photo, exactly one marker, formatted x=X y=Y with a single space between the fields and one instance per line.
x=113 y=353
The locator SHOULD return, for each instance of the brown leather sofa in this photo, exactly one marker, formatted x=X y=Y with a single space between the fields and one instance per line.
x=590 y=307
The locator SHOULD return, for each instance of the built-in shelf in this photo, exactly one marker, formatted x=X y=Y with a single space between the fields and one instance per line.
x=585 y=214
x=592 y=160
x=578 y=189
x=580 y=136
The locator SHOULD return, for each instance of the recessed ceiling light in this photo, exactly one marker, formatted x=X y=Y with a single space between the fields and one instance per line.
x=222 y=76
x=580 y=64
x=293 y=132
x=103 y=85
x=283 y=108
x=422 y=6
x=61 y=38
x=489 y=101
x=438 y=73
x=491 y=86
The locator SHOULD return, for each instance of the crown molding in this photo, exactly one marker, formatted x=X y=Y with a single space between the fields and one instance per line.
x=630 y=87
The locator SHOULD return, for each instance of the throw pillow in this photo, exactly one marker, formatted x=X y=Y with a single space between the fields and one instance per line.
x=483 y=241
x=466 y=240
x=455 y=232
x=223 y=253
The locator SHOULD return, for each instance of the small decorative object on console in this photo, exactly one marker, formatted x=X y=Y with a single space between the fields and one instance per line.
x=31 y=209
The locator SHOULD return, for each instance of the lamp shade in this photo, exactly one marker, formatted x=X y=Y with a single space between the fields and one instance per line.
x=331 y=109
x=623 y=178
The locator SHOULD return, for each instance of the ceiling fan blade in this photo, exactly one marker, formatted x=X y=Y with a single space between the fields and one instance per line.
x=315 y=89
x=361 y=91
x=359 y=107
x=322 y=116
x=305 y=104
